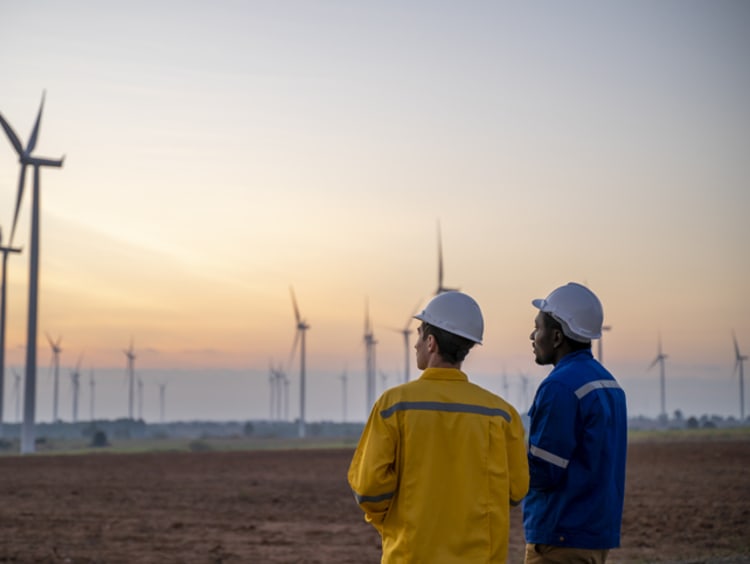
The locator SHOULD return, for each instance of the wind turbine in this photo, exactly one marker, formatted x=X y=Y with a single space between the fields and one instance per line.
x=26 y=159
x=75 y=380
x=130 y=354
x=384 y=380
x=440 y=287
x=56 y=350
x=601 y=355
x=343 y=379
x=140 y=398
x=299 y=337
x=406 y=333
x=92 y=386
x=162 y=396
x=370 y=343
x=17 y=394
x=660 y=358
x=3 y=290
x=739 y=366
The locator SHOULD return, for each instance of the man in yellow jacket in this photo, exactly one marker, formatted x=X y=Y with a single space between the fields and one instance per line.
x=441 y=460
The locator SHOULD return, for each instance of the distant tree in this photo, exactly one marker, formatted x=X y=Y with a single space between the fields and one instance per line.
x=99 y=439
x=248 y=430
x=692 y=423
x=678 y=415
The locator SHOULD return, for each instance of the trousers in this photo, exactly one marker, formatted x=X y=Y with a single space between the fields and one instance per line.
x=549 y=554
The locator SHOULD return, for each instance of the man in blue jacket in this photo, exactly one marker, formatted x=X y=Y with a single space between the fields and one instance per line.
x=577 y=437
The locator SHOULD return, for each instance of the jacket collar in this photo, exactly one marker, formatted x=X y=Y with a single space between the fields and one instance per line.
x=443 y=374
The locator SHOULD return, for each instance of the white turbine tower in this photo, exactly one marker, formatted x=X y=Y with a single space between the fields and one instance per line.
x=406 y=333
x=17 y=394
x=56 y=350
x=739 y=361
x=601 y=354
x=660 y=358
x=3 y=291
x=75 y=382
x=26 y=159
x=162 y=400
x=299 y=337
x=92 y=394
x=370 y=343
x=440 y=287
x=130 y=355
x=343 y=379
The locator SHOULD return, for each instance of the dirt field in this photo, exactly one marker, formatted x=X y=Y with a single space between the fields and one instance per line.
x=686 y=502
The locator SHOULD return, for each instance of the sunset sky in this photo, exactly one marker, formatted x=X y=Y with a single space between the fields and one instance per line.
x=218 y=153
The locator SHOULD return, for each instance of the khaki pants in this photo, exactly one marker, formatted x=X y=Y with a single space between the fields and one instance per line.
x=548 y=554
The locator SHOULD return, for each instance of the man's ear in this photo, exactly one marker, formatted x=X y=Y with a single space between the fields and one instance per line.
x=431 y=343
x=558 y=338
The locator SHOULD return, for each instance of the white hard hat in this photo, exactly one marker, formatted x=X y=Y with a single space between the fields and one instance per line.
x=456 y=313
x=577 y=309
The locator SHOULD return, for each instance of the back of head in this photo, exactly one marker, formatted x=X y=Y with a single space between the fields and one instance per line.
x=577 y=309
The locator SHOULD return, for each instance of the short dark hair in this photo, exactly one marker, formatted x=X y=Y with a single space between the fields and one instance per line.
x=453 y=349
x=552 y=323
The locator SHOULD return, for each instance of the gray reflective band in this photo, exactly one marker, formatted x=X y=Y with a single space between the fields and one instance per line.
x=372 y=498
x=548 y=456
x=445 y=406
x=596 y=385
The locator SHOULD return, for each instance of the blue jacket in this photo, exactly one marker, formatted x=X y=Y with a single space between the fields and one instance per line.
x=577 y=450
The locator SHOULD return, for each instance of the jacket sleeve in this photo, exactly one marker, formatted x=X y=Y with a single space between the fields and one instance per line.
x=518 y=464
x=372 y=474
x=552 y=438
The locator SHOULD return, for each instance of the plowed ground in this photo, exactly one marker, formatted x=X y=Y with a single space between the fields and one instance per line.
x=686 y=502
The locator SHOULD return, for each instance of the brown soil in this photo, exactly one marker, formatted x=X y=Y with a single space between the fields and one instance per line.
x=686 y=502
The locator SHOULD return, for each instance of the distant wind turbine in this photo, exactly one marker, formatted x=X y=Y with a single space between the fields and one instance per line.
x=406 y=333
x=92 y=396
x=26 y=159
x=370 y=342
x=343 y=379
x=440 y=287
x=162 y=400
x=17 y=394
x=56 y=350
x=383 y=380
x=601 y=354
x=3 y=291
x=739 y=367
x=660 y=358
x=140 y=398
x=299 y=337
x=130 y=355
x=75 y=381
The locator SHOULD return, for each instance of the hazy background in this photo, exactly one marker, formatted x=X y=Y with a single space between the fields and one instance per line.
x=217 y=153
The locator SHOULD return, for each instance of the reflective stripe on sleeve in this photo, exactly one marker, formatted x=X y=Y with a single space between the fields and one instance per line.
x=372 y=498
x=445 y=406
x=595 y=385
x=548 y=456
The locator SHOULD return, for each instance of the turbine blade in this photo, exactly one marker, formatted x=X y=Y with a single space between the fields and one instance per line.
x=736 y=346
x=35 y=132
x=294 y=305
x=42 y=161
x=19 y=199
x=654 y=363
x=294 y=350
x=14 y=140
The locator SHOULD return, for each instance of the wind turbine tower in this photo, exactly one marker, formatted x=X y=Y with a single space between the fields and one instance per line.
x=3 y=291
x=130 y=355
x=440 y=287
x=140 y=398
x=299 y=337
x=92 y=390
x=17 y=394
x=26 y=159
x=599 y=346
x=660 y=358
x=56 y=350
x=739 y=367
x=75 y=381
x=370 y=343
x=162 y=395
x=343 y=379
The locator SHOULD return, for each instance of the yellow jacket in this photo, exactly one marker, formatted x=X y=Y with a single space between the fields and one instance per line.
x=437 y=468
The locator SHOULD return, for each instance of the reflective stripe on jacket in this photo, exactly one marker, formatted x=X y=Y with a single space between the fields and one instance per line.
x=437 y=468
